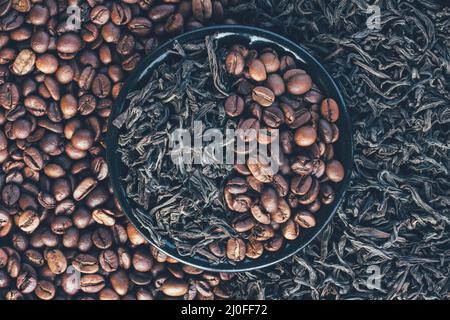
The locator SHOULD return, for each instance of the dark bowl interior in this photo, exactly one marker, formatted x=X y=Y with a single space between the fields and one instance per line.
x=255 y=38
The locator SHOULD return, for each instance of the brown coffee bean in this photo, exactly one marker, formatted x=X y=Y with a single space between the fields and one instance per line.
x=335 y=171
x=262 y=232
x=24 y=62
x=273 y=117
x=301 y=184
x=85 y=263
x=9 y=95
x=120 y=283
x=243 y=223
x=84 y=188
x=305 y=219
x=35 y=105
x=47 y=63
x=254 y=249
x=141 y=26
x=174 y=287
x=33 y=158
x=202 y=9
x=234 y=106
x=329 y=109
x=68 y=43
x=270 y=61
x=38 y=15
x=120 y=13
x=174 y=24
x=242 y=203
x=248 y=130
x=269 y=200
x=5 y=221
x=305 y=136
x=290 y=230
x=234 y=63
x=56 y=261
x=100 y=15
x=311 y=195
x=283 y=213
x=92 y=283
x=237 y=186
x=21 y=129
x=257 y=70
x=276 y=84
x=264 y=96
x=261 y=169
x=236 y=249
x=259 y=214
x=281 y=185
x=299 y=84
x=45 y=290
x=104 y=217
x=28 y=221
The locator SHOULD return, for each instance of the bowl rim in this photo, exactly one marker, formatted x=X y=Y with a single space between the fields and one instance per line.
x=141 y=70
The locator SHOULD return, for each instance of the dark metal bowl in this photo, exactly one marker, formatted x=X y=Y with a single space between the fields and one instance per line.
x=255 y=37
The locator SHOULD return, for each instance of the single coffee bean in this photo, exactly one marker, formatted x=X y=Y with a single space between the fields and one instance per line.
x=234 y=106
x=273 y=117
x=301 y=184
x=242 y=203
x=120 y=13
x=174 y=24
x=100 y=15
x=283 y=213
x=305 y=219
x=56 y=261
x=243 y=223
x=290 y=230
x=174 y=287
x=269 y=200
x=234 y=63
x=102 y=238
x=202 y=9
x=85 y=263
x=329 y=109
x=236 y=249
x=9 y=96
x=299 y=84
x=45 y=290
x=262 y=232
x=305 y=136
x=248 y=130
x=84 y=188
x=26 y=282
x=120 y=283
x=28 y=221
x=260 y=214
x=24 y=62
x=264 y=96
x=335 y=171
x=92 y=283
x=10 y=196
x=276 y=84
x=270 y=61
x=257 y=70
x=237 y=186
x=326 y=194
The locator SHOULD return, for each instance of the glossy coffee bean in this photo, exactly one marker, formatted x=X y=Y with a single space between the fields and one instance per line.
x=305 y=136
x=234 y=106
x=263 y=96
x=335 y=171
x=236 y=249
x=257 y=70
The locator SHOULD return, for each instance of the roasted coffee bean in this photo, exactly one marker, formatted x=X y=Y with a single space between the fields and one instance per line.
x=262 y=232
x=270 y=61
x=174 y=24
x=301 y=184
x=234 y=63
x=56 y=261
x=269 y=200
x=243 y=223
x=325 y=131
x=26 y=282
x=85 y=263
x=263 y=96
x=109 y=260
x=257 y=70
x=299 y=84
x=276 y=84
x=326 y=194
x=100 y=15
x=83 y=188
x=120 y=283
x=236 y=249
x=281 y=185
x=335 y=171
x=120 y=13
x=9 y=96
x=261 y=168
x=283 y=213
x=305 y=219
x=242 y=203
x=248 y=130
x=92 y=283
x=45 y=290
x=237 y=186
x=28 y=221
x=260 y=214
x=234 y=106
x=202 y=9
x=290 y=230
x=329 y=109
x=305 y=136
x=24 y=62
x=102 y=238
x=273 y=117
x=174 y=287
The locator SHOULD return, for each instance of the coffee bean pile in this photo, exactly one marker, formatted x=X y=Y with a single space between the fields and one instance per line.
x=273 y=206
x=62 y=233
